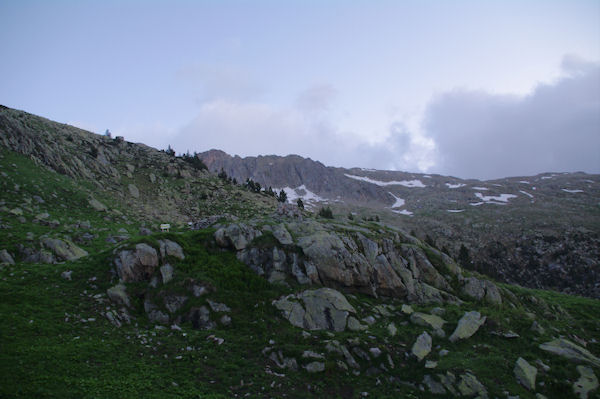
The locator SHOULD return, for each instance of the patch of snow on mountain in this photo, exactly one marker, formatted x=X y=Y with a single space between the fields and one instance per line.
x=480 y=188
x=406 y=183
x=524 y=182
x=456 y=210
x=403 y=212
x=308 y=197
x=495 y=198
x=546 y=177
x=572 y=191
x=426 y=176
x=457 y=185
x=477 y=203
x=399 y=201
x=526 y=193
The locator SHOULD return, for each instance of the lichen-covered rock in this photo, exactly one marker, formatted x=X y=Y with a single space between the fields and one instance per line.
x=324 y=309
x=138 y=264
x=586 y=383
x=64 y=249
x=467 y=326
x=525 y=373
x=571 y=351
x=427 y=320
x=422 y=346
x=118 y=294
x=170 y=248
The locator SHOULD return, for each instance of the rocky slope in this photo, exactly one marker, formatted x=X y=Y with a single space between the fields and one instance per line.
x=540 y=231
x=253 y=298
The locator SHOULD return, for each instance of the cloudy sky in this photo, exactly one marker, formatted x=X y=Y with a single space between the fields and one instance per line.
x=480 y=89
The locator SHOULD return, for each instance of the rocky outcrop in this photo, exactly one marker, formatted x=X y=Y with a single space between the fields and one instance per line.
x=321 y=309
x=138 y=264
x=6 y=258
x=571 y=351
x=586 y=383
x=64 y=249
x=481 y=290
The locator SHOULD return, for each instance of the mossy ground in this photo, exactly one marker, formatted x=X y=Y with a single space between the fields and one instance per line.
x=55 y=343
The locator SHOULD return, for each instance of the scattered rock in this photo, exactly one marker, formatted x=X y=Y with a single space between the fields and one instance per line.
x=97 y=205
x=392 y=329
x=218 y=307
x=481 y=290
x=200 y=318
x=118 y=295
x=428 y=320
x=199 y=290
x=469 y=385
x=375 y=352
x=64 y=249
x=354 y=324
x=422 y=346
x=315 y=367
x=586 y=383
x=282 y=235
x=225 y=320
x=571 y=351
x=467 y=326
x=174 y=302
x=133 y=190
x=6 y=258
x=237 y=236
x=433 y=386
x=430 y=364
x=166 y=271
x=67 y=275
x=525 y=373
x=170 y=248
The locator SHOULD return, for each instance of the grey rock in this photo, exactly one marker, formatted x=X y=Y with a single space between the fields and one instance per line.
x=166 y=272
x=427 y=320
x=64 y=249
x=170 y=248
x=133 y=190
x=67 y=275
x=354 y=324
x=218 y=307
x=118 y=294
x=433 y=386
x=586 y=383
x=199 y=290
x=282 y=235
x=407 y=309
x=237 y=236
x=469 y=385
x=138 y=264
x=174 y=302
x=200 y=318
x=315 y=367
x=312 y=355
x=392 y=329
x=430 y=364
x=536 y=327
x=571 y=351
x=324 y=309
x=97 y=205
x=6 y=258
x=375 y=352
x=525 y=373
x=225 y=320
x=422 y=346
x=467 y=326
x=481 y=290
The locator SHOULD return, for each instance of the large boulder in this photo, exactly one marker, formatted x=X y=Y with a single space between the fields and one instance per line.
x=481 y=290
x=138 y=264
x=118 y=295
x=586 y=383
x=467 y=326
x=6 y=258
x=170 y=248
x=427 y=320
x=571 y=351
x=64 y=249
x=97 y=205
x=422 y=346
x=525 y=373
x=321 y=309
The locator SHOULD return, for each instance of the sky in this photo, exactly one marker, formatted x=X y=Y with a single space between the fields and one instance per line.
x=473 y=89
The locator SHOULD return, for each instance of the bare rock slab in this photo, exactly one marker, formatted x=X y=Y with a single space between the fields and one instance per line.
x=467 y=326
x=525 y=373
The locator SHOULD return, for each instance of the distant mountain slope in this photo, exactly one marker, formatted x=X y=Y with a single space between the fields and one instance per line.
x=540 y=231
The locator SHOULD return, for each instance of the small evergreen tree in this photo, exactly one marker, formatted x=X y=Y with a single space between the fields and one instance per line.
x=350 y=216
x=326 y=213
x=222 y=175
x=463 y=256
x=282 y=197
x=170 y=151
x=300 y=203
x=107 y=133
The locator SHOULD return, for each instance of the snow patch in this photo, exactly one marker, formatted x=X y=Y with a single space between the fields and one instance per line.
x=457 y=185
x=480 y=188
x=399 y=201
x=456 y=210
x=405 y=183
x=571 y=191
x=524 y=182
x=495 y=198
x=526 y=193
x=308 y=197
x=403 y=212
x=477 y=203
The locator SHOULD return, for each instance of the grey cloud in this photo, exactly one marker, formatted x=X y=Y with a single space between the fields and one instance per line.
x=555 y=128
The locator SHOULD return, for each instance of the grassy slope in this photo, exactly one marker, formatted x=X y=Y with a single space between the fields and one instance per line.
x=49 y=347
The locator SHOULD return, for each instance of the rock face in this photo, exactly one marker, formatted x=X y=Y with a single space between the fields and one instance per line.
x=571 y=351
x=324 y=309
x=467 y=326
x=322 y=255
x=170 y=248
x=481 y=290
x=422 y=346
x=586 y=383
x=138 y=264
x=64 y=249
x=525 y=373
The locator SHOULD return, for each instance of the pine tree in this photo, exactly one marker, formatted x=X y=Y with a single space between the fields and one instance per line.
x=282 y=196
x=300 y=203
x=463 y=256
